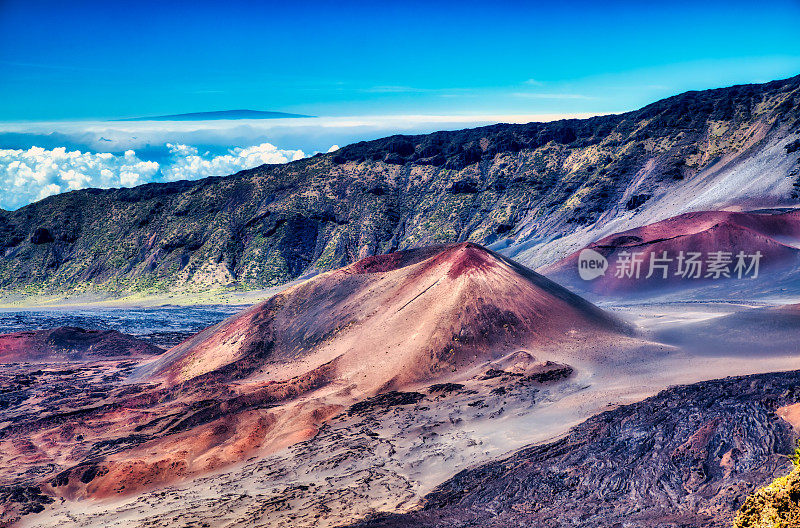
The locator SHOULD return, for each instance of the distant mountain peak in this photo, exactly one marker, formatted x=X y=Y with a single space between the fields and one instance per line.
x=219 y=114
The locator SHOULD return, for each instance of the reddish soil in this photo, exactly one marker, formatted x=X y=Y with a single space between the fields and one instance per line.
x=272 y=375
x=775 y=236
x=424 y=315
x=70 y=344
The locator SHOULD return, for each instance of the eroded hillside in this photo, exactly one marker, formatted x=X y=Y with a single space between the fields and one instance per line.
x=515 y=185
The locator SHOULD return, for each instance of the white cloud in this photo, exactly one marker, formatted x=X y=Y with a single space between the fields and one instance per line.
x=35 y=173
x=309 y=134
x=76 y=154
x=187 y=163
x=333 y=148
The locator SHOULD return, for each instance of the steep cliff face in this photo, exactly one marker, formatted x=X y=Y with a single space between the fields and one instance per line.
x=519 y=186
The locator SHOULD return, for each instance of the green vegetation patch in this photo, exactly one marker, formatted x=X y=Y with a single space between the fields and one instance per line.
x=776 y=505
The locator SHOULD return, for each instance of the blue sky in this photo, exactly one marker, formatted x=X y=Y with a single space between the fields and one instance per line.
x=367 y=69
x=73 y=60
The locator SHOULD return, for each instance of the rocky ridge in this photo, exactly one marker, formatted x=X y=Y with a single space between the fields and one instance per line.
x=515 y=186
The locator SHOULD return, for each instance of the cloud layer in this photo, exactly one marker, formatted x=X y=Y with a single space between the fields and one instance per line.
x=35 y=173
x=187 y=163
x=45 y=158
x=309 y=135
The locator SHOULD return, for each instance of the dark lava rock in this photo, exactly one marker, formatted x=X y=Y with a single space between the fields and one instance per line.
x=493 y=373
x=91 y=472
x=550 y=375
x=166 y=340
x=687 y=457
x=384 y=401
x=28 y=499
x=444 y=388
x=41 y=236
x=503 y=228
x=636 y=200
x=463 y=187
